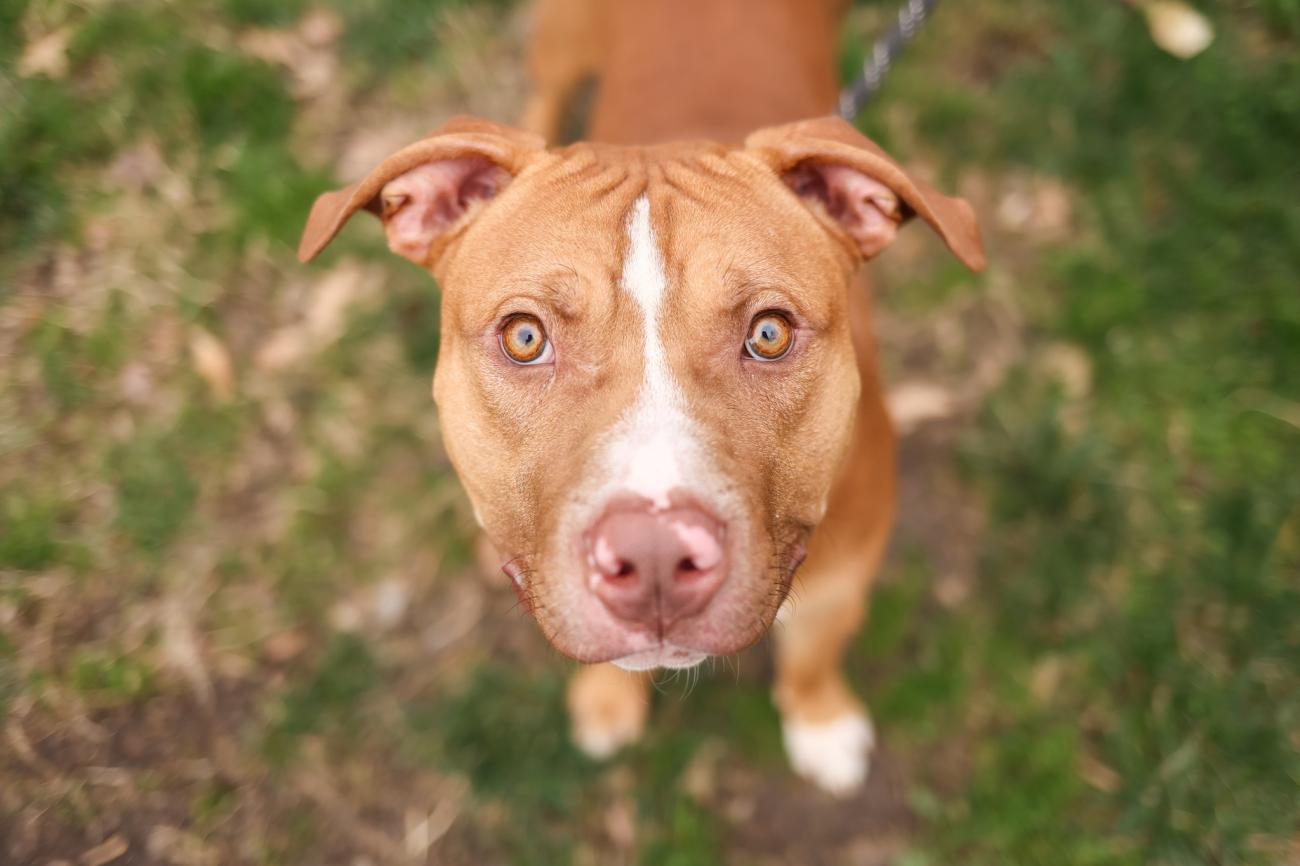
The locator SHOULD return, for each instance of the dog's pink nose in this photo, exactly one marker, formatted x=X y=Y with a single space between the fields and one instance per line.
x=655 y=568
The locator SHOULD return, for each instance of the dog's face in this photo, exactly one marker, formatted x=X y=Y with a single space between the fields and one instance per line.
x=646 y=360
x=645 y=381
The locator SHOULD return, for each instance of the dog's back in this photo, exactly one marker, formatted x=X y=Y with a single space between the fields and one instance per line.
x=681 y=69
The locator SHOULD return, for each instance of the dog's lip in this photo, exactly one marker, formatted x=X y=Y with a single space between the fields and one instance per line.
x=514 y=569
x=798 y=553
x=666 y=655
x=644 y=648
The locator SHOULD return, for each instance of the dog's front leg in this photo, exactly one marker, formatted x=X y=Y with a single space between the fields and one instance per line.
x=607 y=708
x=827 y=731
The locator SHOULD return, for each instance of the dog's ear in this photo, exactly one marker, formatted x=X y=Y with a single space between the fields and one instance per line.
x=428 y=190
x=856 y=190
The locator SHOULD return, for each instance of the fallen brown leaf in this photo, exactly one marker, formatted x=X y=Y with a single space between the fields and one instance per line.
x=179 y=848
x=914 y=403
x=181 y=650
x=105 y=852
x=1045 y=678
x=47 y=55
x=212 y=363
x=284 y=646
x=1070 y=365
x=1098 y=775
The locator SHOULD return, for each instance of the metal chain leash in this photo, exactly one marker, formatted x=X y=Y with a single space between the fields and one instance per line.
x=883 y=54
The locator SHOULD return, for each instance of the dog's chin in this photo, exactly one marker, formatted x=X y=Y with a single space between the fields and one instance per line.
x=665 y=656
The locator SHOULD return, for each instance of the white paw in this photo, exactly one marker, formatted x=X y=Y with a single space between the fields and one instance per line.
x=836 y=755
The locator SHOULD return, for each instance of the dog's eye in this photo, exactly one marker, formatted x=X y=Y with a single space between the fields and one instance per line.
x=523 y=339
x=770 y=337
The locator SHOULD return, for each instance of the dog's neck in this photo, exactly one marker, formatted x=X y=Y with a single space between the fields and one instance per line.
x=738 y=66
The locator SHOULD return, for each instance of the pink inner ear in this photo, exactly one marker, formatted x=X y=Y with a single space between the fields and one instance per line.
x=867 y=210
x=423 y=204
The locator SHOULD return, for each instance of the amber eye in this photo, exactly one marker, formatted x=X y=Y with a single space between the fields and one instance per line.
x=770 y=337
x=524 y=340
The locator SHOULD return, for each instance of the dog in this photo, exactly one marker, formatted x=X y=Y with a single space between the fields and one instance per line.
x=657 y=378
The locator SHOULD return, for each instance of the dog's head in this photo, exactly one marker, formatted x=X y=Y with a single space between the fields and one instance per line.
x=646 y=381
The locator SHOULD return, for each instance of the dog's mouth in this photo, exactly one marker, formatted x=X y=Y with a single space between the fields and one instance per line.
x=577 y=623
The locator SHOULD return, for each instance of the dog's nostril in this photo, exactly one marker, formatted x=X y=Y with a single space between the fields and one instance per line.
x=625 y=568
x=687 y=564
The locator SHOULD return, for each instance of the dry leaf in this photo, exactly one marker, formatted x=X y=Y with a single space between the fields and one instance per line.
x=424 y=829
x=138 y=168
x=176 y=847
x=378 y=608
x=273 y=46
x=324 y=320
x=136 y=383
x=283 y=349
x=212 y=363
x=620 y=823
x=700 y=778
x=913 y=403
x=1178 y=28
x=46 y=56
x=388 y=603
x=1069 y=365
x=320 y=27
x=181 y=650
x=1037 y=206
x=105 y=852
x=459 y=609
x=283 y=646
x=347 y=616
x=952 y=590
x=1098 y=775
x=1046 y=677
x=304 y=51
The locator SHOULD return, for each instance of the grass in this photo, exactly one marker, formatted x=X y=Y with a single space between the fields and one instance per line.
x=1150 y=544
x=245 y=598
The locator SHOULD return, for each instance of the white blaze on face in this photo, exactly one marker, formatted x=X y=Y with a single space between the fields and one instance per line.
x=655 y=445
x=654 y=450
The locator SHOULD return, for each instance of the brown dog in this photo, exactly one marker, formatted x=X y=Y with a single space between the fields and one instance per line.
x=657 y=375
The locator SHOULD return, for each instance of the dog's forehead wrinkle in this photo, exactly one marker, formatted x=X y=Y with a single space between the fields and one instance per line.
x=558 y=283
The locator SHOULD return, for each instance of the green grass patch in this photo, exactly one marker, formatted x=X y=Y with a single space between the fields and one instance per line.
x=29 y=533
x=381 y=35
x=676 y=829
x=43 y=132
x=687 y=835
x=1149 y=542
x=75 y=367
x=10 y=679
x=1025 y=782
x=326 y=702
x=156 y=491
x=507 y=731
x=107 y=676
